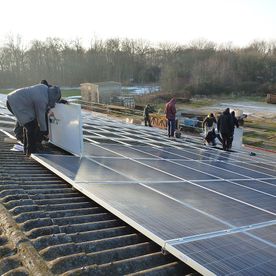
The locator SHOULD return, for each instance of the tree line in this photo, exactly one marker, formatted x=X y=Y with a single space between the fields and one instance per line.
x=200 y=67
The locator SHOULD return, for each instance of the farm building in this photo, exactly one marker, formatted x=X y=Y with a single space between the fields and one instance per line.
x=100 y=92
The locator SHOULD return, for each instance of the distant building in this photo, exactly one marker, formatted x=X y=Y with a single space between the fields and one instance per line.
x=100 y=92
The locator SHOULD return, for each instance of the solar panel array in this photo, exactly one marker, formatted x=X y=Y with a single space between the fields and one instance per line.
x=214 y=210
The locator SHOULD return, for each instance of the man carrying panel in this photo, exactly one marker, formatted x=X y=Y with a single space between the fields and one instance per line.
x=29 y=105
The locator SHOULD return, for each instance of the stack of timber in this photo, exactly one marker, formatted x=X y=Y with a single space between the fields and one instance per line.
x=271 y=98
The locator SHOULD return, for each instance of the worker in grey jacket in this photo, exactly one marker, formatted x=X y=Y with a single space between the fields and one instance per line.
x=29 y=105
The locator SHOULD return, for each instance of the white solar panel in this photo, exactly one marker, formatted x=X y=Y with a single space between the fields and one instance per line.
x=65 y=127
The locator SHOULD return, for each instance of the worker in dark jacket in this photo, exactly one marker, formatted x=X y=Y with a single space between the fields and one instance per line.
x=226 y=127
x=29 y=105
x=235 y=120
x=146 y=115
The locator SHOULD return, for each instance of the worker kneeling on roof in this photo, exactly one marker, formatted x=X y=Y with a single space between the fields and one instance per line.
x=29 y=105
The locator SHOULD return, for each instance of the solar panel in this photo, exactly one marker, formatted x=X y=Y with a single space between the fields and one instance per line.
x=219 y=205
x=261 y=185
x=81 y=169
x=238 y=254
x=267 y=233
x=214 y=210
x=266 y=168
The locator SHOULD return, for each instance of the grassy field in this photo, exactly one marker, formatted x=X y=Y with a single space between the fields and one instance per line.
x=70 y=92
x=260 y=133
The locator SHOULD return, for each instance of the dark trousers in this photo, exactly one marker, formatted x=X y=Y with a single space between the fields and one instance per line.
x=231 y=140
x=226 y=141
x=219 y=138
x=30 y=137
x=171 y=127
x=18 y=129
x=147 y=121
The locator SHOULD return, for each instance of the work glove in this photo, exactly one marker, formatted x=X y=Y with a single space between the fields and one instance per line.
x=63 y=101
x=44 y=135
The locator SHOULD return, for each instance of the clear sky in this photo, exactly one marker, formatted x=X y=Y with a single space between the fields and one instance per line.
x=174 y=21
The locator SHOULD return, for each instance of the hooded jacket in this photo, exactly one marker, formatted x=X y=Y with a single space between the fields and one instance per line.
x=225 y=123
x=33 y=102
x=54 y=95
x=170 y=109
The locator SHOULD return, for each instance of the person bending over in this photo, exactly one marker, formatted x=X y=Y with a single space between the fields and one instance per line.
x=29 y=105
